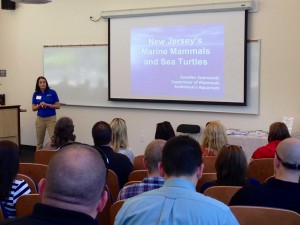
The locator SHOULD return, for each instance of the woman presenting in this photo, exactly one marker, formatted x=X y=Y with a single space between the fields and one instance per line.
x=45 y=101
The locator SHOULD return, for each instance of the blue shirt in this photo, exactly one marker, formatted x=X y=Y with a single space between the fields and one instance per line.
x=49 y=97
x=176 y=203
x=148 y=184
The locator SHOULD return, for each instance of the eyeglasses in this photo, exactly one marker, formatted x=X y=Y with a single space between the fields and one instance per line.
x=287 y=165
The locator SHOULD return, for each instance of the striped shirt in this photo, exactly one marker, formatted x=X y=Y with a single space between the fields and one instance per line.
x=148 y=184
x=19 y=187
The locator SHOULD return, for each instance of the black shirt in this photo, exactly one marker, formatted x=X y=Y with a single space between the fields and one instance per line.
x=273 y=193
x=49 y=215
x=118 y=163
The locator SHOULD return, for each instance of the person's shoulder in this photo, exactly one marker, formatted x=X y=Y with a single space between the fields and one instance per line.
x=20 y=182
x=121 y=156
x=245 y=193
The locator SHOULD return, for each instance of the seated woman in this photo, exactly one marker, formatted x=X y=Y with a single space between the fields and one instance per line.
x=10 y=188
x=278 y=131
x=214 y=137
x=164 y=131
x=231 y=166
x=120 y=138
x=63 y=133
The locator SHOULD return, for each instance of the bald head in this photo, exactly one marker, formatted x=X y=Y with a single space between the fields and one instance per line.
x=153 y=154
x=76 y=175
x=288 y=151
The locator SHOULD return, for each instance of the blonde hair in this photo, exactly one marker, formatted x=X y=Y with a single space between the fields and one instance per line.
x=214 y=136
x=119 y=134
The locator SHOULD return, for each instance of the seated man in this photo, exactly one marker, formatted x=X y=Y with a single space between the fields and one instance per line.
x=154 y=180
x=282 y=191
x=119 y=163
x=73 y=191
x=177 y=201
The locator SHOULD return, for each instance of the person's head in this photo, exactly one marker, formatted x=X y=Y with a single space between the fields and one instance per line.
x=102 y=133
x=41 y=84
x=214 y=136
x=278 y=131
x=75 y=180
x=9 y=166
x=182 y=157
x=231 y=166
x=119 y=134
x=287 y=160
x=164 y=131
x=63 y=132
x=153 y=155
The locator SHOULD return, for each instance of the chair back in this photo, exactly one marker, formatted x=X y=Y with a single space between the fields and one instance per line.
x=206 y=177
x=25 y=204
x=222 y=193
x=261 y=169
x=209 y=164
x=43 y=156
x=103 y=217
x=113 y=185
x=33 y=170
x=189 y=130
x=114 y=209
x=132 y=182
x=138 y=162
x=137 y=175
x=250 y=215
x=29 y=181
x=1 y=214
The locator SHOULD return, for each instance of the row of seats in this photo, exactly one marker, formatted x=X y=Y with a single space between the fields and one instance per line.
x=259 y=169
x=246 y=215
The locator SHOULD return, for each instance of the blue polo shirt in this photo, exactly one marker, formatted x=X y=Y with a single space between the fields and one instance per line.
x=49 y=97
x=175 y=203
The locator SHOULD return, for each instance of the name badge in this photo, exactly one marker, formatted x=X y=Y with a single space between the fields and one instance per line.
x=38 y=97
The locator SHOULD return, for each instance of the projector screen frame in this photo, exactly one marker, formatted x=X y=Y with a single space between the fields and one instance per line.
x=175 y=101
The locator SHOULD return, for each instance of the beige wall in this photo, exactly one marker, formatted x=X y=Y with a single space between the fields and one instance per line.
x=24 y=31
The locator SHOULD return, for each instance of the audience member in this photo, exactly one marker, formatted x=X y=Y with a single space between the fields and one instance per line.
x=281 y=191
x=214 y=137
x=153 y=154
x=10 y=188
x=278 y=131
x=118 y=163
x=164 y=131
x=120 y=138
x=63 y=133
x=73 y=191
x=231 y=166
x=177 y=201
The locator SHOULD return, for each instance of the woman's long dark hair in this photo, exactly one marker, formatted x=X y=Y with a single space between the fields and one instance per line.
x=231 y=166
x=278 y=131
x=63 y=132
x=37 y=87
x=9 y=166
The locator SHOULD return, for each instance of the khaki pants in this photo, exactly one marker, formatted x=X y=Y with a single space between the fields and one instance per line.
x=41 y=124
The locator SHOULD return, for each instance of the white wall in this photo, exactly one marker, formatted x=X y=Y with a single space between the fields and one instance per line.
x=24 y=31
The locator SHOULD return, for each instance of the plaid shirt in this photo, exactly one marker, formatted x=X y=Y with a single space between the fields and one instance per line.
x=148 y=184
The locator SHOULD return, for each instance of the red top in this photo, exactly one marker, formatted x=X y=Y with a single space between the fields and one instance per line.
x=267 y=151
x=205 y=152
